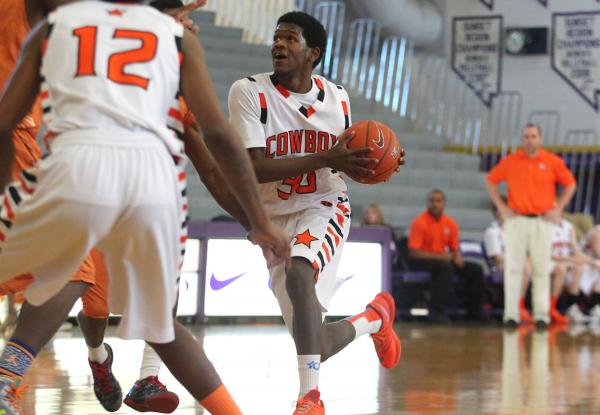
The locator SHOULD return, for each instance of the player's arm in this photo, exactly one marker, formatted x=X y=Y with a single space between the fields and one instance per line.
x=420 y=254
x=38 y=9
x=244 y=114
x=227 y=149
x=18 y=97
x=211 y=175
x=578 y=254
x=340 y=158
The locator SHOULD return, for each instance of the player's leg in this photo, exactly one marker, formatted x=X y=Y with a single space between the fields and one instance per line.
x=514 y=265
x=524 y=314
x=149 y=394
x=376 y=320
x=540 y=249
x=294 y=288
x=202 y=382
x=595 y=301
x=572 y=291
x=92 y=320
x=152 y=319
x=143 y=255
x=305 y=289
x=13 y=290
x=558 y=277
x=34 y=213
x=35 y=327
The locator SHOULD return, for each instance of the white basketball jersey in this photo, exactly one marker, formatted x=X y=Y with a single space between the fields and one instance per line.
x=494 y=240
x=561 y=239
x=112 y=70
x=292 y=125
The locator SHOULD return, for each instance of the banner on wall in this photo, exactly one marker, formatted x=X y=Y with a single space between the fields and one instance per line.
x=576 y=52
x=488 y=3
x=477 y=54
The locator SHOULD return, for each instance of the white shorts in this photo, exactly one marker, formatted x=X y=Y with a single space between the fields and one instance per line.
x=123 y=196
x=318 y=234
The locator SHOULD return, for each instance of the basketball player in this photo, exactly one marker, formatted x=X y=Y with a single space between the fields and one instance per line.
x=290 y=122
x=111 y=179
x=31 y=333
x=566 y=270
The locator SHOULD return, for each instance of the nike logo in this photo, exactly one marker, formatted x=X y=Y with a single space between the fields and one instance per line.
x=380 y=139
x=347 y=278
x=217 y=285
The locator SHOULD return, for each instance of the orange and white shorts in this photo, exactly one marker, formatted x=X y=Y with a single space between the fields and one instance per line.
x=121 y=194
x=318 y=234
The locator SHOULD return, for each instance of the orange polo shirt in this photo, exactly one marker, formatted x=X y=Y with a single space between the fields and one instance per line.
x=531 y=181
x=433 y=235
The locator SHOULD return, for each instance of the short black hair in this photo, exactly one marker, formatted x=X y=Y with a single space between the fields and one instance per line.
x=532 y=125
x=162 y=5
x=312 y=30
x=438 y=191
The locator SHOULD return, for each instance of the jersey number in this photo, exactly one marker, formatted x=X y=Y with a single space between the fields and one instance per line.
x=306 y=183
x=117 y=62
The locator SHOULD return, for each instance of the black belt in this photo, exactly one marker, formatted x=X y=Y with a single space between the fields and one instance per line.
x=532 y=215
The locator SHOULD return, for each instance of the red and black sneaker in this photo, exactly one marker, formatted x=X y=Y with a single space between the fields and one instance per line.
x=149 y=395
x=106 y=387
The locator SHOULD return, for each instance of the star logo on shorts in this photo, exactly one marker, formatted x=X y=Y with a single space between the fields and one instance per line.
x=304 y=238
x=116 y=12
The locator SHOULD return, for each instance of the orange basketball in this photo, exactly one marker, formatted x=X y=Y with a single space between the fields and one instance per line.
x=384 y=147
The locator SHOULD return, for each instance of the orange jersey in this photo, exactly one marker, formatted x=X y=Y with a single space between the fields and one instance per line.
x=433 y=235
x=531 y=180
x=13 y=32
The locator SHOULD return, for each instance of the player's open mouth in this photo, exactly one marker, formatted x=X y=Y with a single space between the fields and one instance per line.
x=278 y=56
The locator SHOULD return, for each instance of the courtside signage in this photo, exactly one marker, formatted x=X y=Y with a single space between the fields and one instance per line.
x=237 y=281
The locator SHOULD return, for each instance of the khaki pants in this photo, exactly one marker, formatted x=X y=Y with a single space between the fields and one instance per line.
x=524 y=235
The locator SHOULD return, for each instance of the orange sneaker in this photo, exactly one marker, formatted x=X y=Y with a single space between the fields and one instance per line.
x=386 y=341
x=557 y=318
x=525 y=315
x=310 y=404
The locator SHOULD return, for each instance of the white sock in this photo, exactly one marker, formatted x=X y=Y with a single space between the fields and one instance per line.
x=309 y=367
x=98 y=354
x=367 y=322
x=150 y=363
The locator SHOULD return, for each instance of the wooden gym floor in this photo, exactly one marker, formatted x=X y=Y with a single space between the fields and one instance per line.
x=443 y=370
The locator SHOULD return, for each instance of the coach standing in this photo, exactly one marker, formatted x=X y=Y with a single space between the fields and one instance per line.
x=531 y=175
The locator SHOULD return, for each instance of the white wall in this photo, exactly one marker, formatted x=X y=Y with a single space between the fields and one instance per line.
x=541 y=87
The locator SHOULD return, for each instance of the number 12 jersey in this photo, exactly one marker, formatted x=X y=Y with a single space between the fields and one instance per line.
x=107 y=69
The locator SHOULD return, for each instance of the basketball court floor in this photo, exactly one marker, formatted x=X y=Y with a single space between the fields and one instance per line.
x=443 y=370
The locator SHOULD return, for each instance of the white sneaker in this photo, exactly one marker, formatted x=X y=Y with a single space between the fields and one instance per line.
x=595 y=315
x=576 y=315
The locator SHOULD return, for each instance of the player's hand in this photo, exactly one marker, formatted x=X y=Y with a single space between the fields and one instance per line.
x=274 y=242
x=553 y=215
x=354 y=162
x=401 y=160
x=458 y=260
x=506 y=212
x=181 y=15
